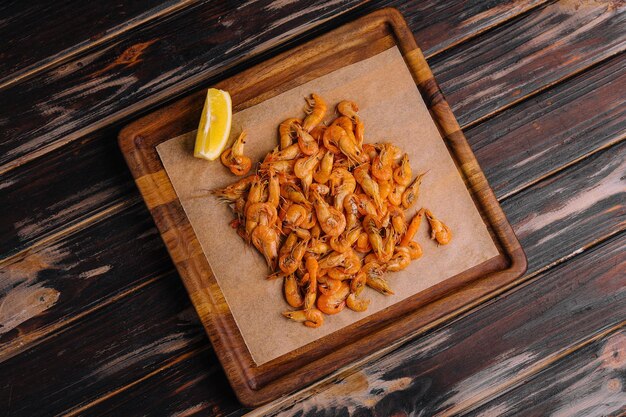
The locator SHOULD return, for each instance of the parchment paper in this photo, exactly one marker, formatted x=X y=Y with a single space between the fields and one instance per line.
x=393 y=110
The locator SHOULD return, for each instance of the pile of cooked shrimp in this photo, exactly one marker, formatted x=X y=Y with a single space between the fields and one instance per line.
x=327 y=211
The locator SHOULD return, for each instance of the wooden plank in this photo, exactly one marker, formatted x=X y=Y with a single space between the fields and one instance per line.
x=90 y=175
x=70 y=185
x=158 y=74
x=494 y=344
x=587 y=383
x=146 y=66
x=553 y=129
x=459 y=364
x=82 y=186
x=603 y=217
x=51 y=287
x=253 y=383
x=89 y=359
x=526 y=55
x=34 y=27
x=195 y=386
x=569 y=211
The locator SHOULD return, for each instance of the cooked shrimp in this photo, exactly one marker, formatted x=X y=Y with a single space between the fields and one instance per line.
x=400 y=260
x=234 y=191
x=414 y=226
x=438 y=230
x=344 y=242
x=291 y=254
x=412 y=192
x=273 y=188
x=310 y=318
x=312 y=267
x=347 y=108
x=359 y=131
x=357 y=304
x=329 y=286
x=292 y=291
x=366 y=207
x=335 y=302
x=316 y=109
x=346 y=124
x=398 y=219
x=374 y=235
x=331 y=220
x=280 y=167
x=385 y=187
x=306 y=142
x=234 y=159
x=304 y=169
x=321 y=189
x=260 y=214
x=363 y=243
x=415 y=250
x=310 y=221
x=389 y=245
x=382 y=163
x=286 y=154
x=351 y=208
x=343 y=184
x=326 y=166
x=266 y=240
x=286 y=131
x=370 y=150
x=351 y=149
x=319 y=247
x=395 y=197
x=318 y=132
x=331 y=138
x=374 y=273
x=293 y=193
x=295 y=216
x=402 y=175
x=362 y=176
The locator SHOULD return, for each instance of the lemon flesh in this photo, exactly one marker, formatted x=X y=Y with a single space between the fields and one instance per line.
x=214 y=127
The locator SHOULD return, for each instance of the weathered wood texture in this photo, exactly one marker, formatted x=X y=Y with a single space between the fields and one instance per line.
x=34 y=27
x=553 y=129
x=363 y=38
x=539 y=258
x=53 y=286
x=587 y=383
x=79 y=365
x=72 y=313
x=157 y=72
x=31 y=223
x=549 y=36
x=467 y=361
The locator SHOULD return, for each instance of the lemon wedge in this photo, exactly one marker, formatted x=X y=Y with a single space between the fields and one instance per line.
x=214 y=127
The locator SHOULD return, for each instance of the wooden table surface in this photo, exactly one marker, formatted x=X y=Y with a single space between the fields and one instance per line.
x=93 y=317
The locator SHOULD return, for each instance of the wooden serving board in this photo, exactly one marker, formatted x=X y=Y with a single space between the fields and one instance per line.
x=361 y=39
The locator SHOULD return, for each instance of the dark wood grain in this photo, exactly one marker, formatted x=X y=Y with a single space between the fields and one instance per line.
x=206 y=41
x=594 y=221
x=504 y=65
x=255 y=384
x=34 y=27
x=569 y=211
x=155 y=62
x=553 y=129
x=88 y=184
x=73 y=183
x=89 y=358
x=49 y=288
x=195 y=386
x=554 y=311
x=462 y=363
x=587 y=383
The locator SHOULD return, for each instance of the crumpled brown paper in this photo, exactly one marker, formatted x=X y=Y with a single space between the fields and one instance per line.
x=392 y=110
